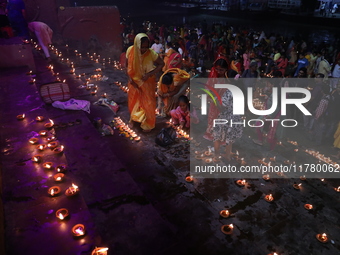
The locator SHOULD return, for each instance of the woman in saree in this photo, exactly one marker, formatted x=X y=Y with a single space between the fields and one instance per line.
x=273 y=130
x=142 y=65
x=172 y=58
x=219 y=70
x=172 y=84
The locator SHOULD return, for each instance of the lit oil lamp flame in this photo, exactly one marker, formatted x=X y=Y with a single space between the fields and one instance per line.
x=58 y=178
x=79 y=231
x=309 y=206
x=33 y=140
x=39 y=118
x=21 y=116
x=337 y=189
x=61 y=216
x=322 y=237
x=47 y=165
x=231 y=226
x=74 y=186
x=100 y=251
x=269 y=198
x=52 y=192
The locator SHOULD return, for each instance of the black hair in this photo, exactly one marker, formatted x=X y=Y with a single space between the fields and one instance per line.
x=304 y=69
x=222 y=63
x=167 y=79
x=184 y=99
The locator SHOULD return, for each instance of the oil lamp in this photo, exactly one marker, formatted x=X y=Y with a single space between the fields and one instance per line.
x=308 y=206
x=21 y=116
x=227 y=229
x=225 y=213
x=48 y=165
x=62 y=213
x=71 y=191
x=100 y=251
x=323 y=238
x=59 y=177
x=33 y=140
x=269 y=198
x=189 y=178
x=78 y=230
x=53 y=191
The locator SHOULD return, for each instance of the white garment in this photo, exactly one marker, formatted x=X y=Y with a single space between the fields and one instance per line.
x=157 y=47
x=180 y=51
x=73 y=104
x=336 y=71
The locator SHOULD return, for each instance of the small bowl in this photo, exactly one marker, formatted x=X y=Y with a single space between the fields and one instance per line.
x=269 y=198
x=56 y=191
x=64 y=212
x=226 y=229
x=189 y=178
x=61 y=168
x=321 y=239
x=78 y=227
x=225 y=213
x=266 y=177
x=59 y=177
x=48 y=165
x=308 y=207
x=33 y=140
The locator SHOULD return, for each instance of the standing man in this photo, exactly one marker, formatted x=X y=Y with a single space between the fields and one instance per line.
x=16 y=14
x=302 y=62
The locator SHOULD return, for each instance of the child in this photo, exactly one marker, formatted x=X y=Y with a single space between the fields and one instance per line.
x=181 y=115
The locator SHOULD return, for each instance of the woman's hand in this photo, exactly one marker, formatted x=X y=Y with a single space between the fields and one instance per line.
x=146 y=76
x=133 y=83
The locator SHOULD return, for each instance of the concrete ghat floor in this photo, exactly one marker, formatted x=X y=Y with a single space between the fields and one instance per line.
x=133 y=197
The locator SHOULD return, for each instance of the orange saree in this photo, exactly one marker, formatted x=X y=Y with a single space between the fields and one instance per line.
x=180 y=77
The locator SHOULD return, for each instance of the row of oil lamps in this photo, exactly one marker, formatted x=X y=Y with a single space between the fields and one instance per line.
x=123 y=88
x=124 y=129
x=180 y=133
x=315 y=154
x=78 y=230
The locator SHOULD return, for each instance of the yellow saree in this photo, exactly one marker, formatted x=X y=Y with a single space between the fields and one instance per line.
x=141 y=100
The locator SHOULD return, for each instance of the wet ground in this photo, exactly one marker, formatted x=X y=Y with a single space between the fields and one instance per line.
x=133 y=195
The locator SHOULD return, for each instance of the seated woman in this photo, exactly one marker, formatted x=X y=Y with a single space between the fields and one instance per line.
x=171 y=86
x=181 y=115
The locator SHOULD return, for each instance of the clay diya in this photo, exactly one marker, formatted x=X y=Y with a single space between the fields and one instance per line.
x=227 y=229
x=225 y=213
